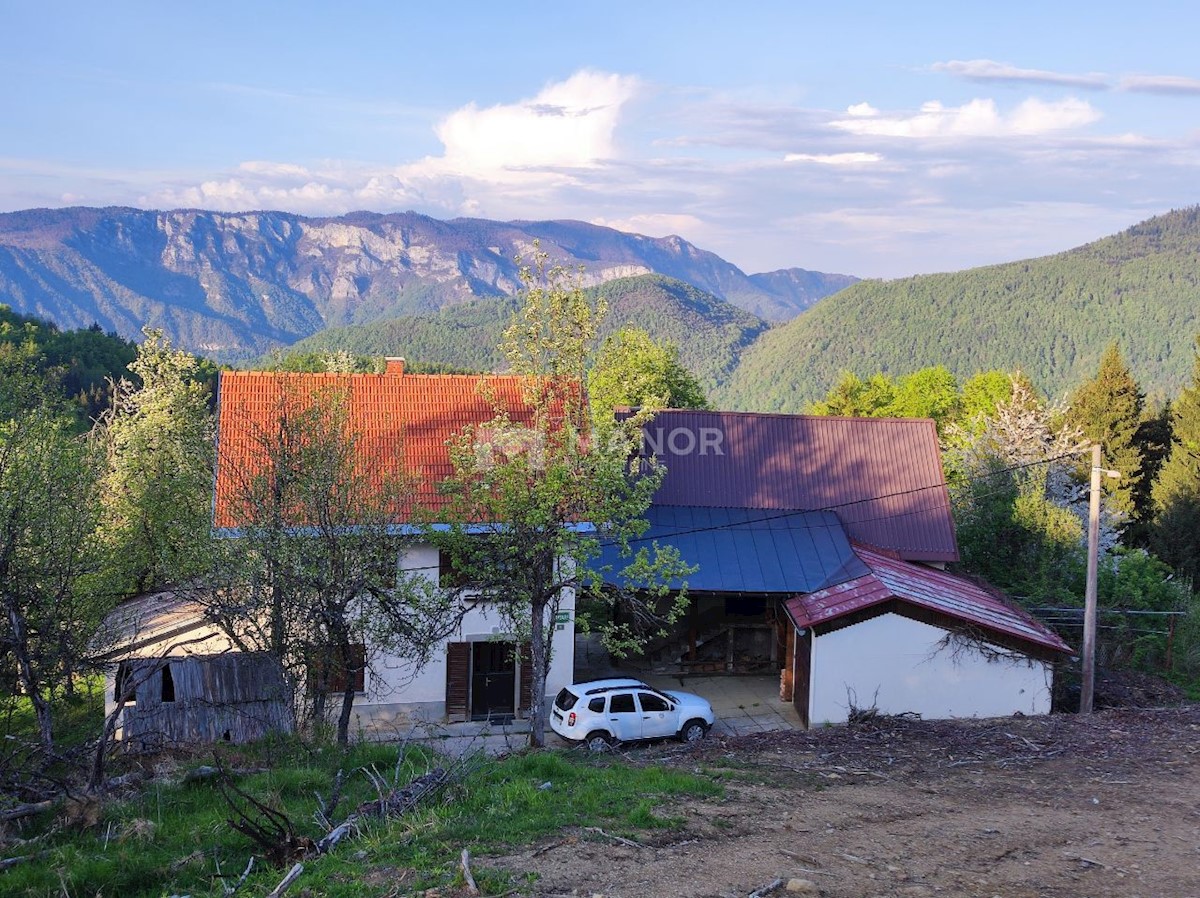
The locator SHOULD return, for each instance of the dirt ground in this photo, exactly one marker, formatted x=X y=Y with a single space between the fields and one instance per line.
x=1107 y=805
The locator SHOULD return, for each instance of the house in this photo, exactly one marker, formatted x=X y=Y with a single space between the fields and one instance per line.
x=820 y=544
x=403 y=422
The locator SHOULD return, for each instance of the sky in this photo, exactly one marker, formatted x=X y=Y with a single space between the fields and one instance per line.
x=880 y=140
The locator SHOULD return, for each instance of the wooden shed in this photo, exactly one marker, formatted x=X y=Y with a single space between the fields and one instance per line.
x=230 y=697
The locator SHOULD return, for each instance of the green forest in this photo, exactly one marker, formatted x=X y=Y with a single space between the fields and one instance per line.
x=1050 y=317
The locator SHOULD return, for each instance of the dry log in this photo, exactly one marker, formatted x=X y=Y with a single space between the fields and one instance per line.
x=397 y=801
x=465 y=863
x=26 y=810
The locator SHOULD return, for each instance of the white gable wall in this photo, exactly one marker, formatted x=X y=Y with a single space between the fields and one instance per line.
x=397 y=695
x=897 y=664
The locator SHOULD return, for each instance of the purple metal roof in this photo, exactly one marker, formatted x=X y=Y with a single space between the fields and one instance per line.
x=881 y=476
x=926 y=588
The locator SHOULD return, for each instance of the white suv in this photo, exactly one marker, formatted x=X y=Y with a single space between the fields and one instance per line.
x=601 y=712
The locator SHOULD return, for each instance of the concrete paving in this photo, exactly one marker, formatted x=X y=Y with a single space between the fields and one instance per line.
x=742 y=704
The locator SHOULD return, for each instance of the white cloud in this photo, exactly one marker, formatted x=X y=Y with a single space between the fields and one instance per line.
x=569 y=124
x=1160 y=84
x=862 y=109
x=976 y=118
x=984 y=70
x=835 y=158
x=508 y=152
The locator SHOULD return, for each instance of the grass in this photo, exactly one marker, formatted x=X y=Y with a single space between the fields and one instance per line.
x=171 y=838
x=75 y=717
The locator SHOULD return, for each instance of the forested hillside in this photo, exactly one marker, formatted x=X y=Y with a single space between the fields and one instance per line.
x=77 y=365
x=709 y=332
x=1052 y=317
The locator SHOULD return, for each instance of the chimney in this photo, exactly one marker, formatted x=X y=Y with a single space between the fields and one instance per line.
x=395 y=365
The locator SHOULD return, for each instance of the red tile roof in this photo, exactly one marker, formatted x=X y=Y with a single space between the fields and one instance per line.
x=402 y=420
x=882 y=476
x=925 y=588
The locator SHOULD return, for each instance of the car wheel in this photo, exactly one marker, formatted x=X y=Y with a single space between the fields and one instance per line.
x=693 y=731
x=597 y=741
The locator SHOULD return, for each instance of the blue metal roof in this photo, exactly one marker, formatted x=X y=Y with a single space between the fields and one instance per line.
x=749 y=550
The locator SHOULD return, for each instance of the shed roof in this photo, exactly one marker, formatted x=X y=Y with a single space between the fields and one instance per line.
x=882 y=476
x=750 y=550
x=937 y=591
x=403 y=421
x=158 y=624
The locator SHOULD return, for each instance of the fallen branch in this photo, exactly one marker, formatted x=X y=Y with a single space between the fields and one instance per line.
x=13 y=861
x=335 y=835
x=287 y=881
x=767 y=889
x=230 y=890
x=621 y=839
x=397 y=801
x=26 y=810
x=465 y=863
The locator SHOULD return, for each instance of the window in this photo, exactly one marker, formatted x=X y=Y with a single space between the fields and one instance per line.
x=652 y=702
x=596 y=705
x=449 y=575
x=621 y=703
x=124 y=685
x=168 y=684
x=337 y=667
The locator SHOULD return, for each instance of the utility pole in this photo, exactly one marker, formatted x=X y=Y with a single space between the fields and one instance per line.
x=1088 y=686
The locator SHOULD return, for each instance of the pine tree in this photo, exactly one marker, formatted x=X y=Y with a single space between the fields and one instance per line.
x=1176 y=493
x=1108 y=410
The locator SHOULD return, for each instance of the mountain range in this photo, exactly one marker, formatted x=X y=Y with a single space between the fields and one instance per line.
x=235 y=286
x=232 y=286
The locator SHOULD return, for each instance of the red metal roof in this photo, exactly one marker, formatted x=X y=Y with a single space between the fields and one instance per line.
x=923 y=587
x=882 y=476
x=402 y=420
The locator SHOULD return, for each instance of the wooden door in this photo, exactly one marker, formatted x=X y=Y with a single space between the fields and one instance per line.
x=493 y=680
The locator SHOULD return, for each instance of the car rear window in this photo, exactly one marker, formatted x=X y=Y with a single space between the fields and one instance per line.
x=565 y=700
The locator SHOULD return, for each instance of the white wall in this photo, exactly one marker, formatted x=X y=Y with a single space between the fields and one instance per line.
x=396 y=694
x=902 y=659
